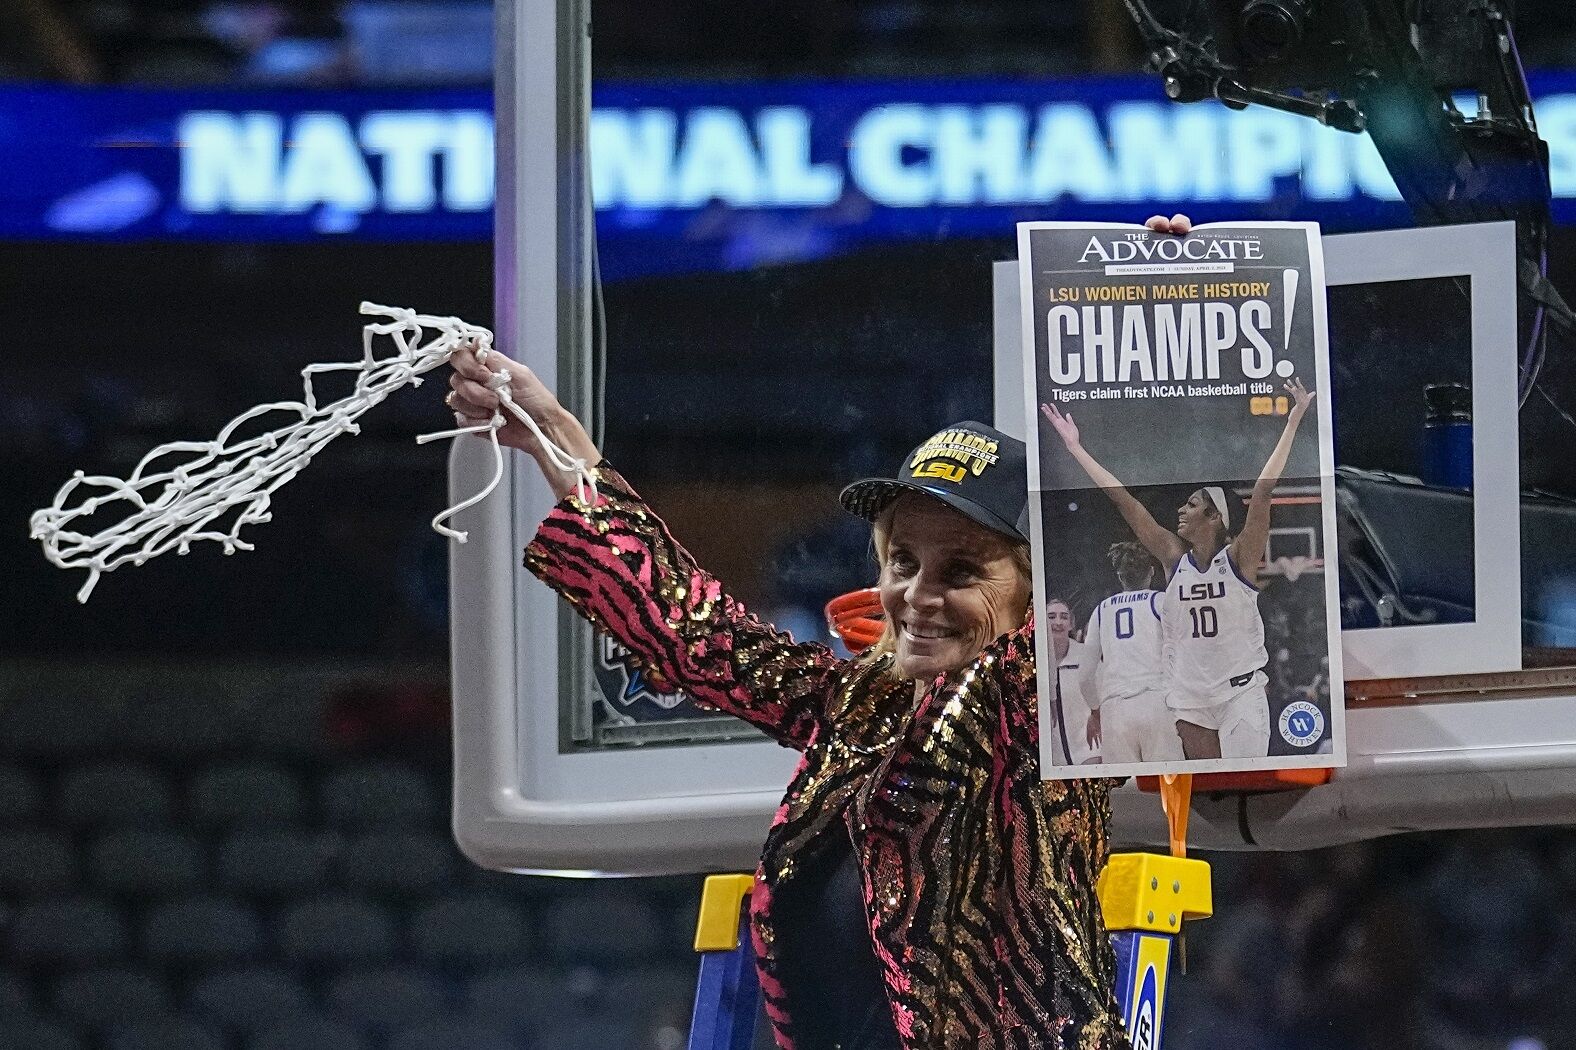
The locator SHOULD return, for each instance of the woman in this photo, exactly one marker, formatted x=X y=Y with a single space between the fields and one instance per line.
x=1074 y=746
x=920 y=887
x=1213 y=632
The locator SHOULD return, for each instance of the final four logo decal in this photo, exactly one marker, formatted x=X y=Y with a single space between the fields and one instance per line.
x=624 y=682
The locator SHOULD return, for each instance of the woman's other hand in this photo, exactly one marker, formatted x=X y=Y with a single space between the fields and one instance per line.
x=1301 y=397
x=1177 y=224
x=1064 y=426
x=474 y=400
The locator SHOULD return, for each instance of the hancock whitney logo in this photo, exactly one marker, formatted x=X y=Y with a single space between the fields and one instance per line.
x=954 y=454
x=1301 y=724
x=623 y=681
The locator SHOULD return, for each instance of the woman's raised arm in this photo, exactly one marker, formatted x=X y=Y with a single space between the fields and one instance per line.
x=1247 y=550
x=1165 y=545
x=614 y=560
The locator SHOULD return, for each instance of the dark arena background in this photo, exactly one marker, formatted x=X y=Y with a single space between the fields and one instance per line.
x=225 y=783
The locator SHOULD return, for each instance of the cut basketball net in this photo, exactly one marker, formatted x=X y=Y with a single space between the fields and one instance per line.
x=172 y=505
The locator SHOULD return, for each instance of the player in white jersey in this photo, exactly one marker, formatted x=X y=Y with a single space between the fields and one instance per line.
x=1123 y=676
x=1214 y=639
x=1070 y=712
x=1214 y=635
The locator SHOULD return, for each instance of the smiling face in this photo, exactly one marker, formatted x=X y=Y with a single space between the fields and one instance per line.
x=1198 y=521
x=949 y=586
x=1058 y=618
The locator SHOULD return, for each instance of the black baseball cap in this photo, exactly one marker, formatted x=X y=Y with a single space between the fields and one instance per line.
x=972 y=468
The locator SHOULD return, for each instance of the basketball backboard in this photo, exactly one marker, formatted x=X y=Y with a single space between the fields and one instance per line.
x=565 y=764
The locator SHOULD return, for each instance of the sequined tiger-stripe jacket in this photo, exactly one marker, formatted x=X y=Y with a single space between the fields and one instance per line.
x=978 y=877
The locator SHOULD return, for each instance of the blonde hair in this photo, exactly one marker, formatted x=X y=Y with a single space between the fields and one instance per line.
x=881 y=542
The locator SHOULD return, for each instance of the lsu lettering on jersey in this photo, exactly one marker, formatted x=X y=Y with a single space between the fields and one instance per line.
x=1214 y=635
x=1128 y=626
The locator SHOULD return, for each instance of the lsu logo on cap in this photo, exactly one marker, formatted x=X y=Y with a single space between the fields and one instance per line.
x=953 y=455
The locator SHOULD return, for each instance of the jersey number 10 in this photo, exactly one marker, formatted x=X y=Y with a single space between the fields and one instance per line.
x=1205 y=623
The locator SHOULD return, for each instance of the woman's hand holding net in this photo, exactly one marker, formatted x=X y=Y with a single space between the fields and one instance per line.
x=187 y=491
x=476 y=384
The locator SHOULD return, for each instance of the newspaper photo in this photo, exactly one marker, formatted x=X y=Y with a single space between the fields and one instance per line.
x=1181 y=476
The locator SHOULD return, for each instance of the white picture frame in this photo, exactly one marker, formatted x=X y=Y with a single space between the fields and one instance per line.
x=1485 y=253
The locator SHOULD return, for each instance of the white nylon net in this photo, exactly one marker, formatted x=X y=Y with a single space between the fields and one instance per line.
x=187 y=491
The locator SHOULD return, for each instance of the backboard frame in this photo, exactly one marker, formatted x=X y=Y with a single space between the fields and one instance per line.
x=520 y=801
x=1486 y=253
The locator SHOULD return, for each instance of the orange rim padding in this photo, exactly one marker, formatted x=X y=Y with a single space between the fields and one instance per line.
x=1252 y=780
x=856 y=618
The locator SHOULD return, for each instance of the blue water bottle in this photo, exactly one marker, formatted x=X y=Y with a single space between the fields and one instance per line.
x=1447 y=435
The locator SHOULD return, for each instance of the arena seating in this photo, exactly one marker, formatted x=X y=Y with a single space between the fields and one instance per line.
x=262 y=861
x=172 y=877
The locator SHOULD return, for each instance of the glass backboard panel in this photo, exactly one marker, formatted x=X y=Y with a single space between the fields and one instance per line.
x=738 y=404
x=1402 y=370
